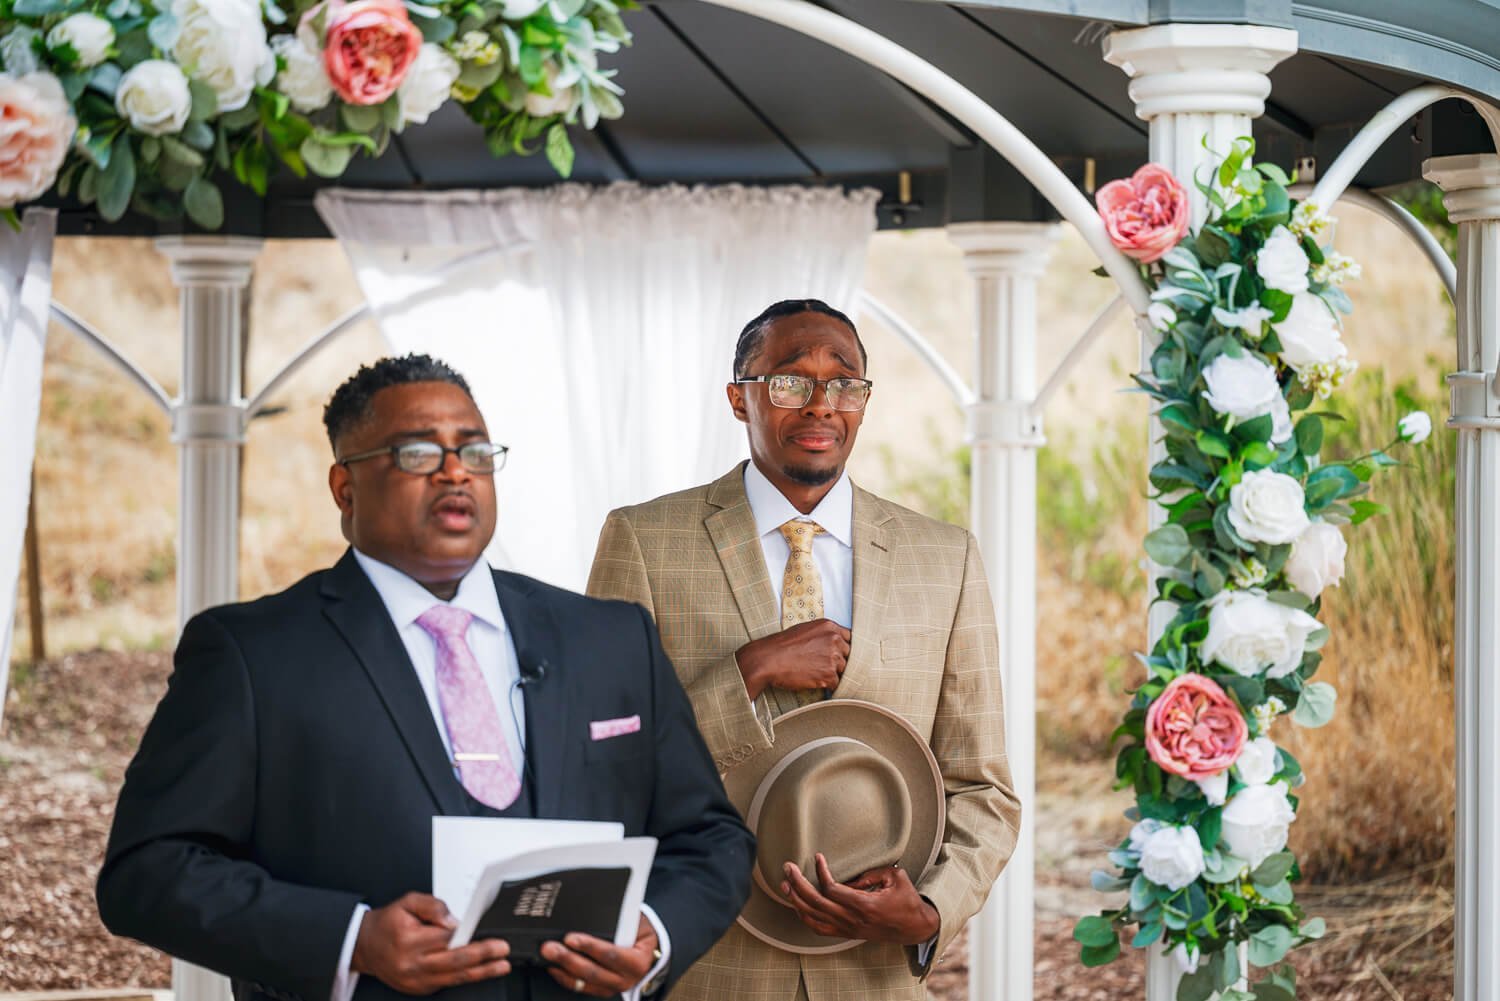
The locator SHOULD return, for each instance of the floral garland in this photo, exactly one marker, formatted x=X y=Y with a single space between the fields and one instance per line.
x=1248 y=310
x=136 y=103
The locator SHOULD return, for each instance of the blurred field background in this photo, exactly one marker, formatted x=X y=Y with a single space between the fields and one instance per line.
x=1377 y=819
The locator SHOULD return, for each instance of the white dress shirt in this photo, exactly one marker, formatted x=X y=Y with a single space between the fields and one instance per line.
x=494 y=648
x=833 y=551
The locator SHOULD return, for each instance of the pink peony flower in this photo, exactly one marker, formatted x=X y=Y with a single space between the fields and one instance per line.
x=36 y=128
x=1145 y=216
x=1193 y=729
x=368 y=46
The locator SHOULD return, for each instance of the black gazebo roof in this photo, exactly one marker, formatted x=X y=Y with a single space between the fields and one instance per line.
x=717 y=96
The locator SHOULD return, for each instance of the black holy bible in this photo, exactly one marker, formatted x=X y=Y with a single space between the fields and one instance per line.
x=544 y=908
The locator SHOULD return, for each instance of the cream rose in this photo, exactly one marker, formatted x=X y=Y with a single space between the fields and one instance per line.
x=1266 y=506
x=223 y=43
x=1256 y=764
x=427 y=84
x=1414 y=428
x=1310 y=334
x=153 y=96
x=1186 y=957
x=1248 y=633
x=1255 y=822
x=89 y=34
x=542 y=105
x=36 y=128
x=1214 y=788
x=1243 y=388
x=1282 y=263
x=1172 y=857
x=1317 y=559
x=304 y=80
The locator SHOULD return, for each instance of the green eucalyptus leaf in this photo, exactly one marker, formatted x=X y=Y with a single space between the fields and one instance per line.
x=175 y=149
x=1270 y=944
x=163 y=31
x=105 y=79
x=1267 y=991
x=560 y=150
x=1225 y=967
x=1273 y=870
x=1148 y=934
x=1277 y=893
x=1094 y=930
x=1100 y=955
x=1168 y=545
x=1314 y=708
x=325 y=159
x=205 y=101
x=198 y=135
x=359 y=117
x=1315 y=928
x=1309 y=434
x=1364 y=510
x=1256 y=429
x=1258 y=455
x=204 y=203
x=117 y=181
x=1103 y=882
x=1196 y=986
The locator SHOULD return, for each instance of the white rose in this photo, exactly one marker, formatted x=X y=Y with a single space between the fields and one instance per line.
x=223 y=43
x=1172 y=857
x=1282 y=263
x=1266 y=506
x=153 y=96
x=89 y=34
x=1186 y=957
x=1255 y=822
x=1243 y=388
x=304 y=81
x=1214 y=788
x=1317 y=559
x=1256 y=764
x=1281 y=421
x=561 y=99
x=426 y=85
x=1141 y=833
x=1248 y=633
x=1414 y=427
x=1310 y=334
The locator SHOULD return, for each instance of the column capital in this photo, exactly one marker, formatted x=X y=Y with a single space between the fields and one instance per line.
x=225 y=261
x=1470 y=183
x=1200 y=68
x=1005 y=248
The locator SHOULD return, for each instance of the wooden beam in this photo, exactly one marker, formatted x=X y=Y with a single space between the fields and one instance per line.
x=34 y=580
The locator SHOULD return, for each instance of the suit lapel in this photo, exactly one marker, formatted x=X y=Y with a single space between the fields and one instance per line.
x=872 y=544
x=732 y=529
x=533 y=629
x=356 y=611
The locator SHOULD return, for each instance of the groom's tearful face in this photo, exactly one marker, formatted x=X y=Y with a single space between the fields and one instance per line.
x=431 y=527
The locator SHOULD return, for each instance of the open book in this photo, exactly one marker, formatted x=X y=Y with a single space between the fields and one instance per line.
x=533 y=881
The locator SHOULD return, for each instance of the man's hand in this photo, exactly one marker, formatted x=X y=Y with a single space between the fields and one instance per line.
x=807 y=656
x=881 y=905
x=588 y=965
x=404 y=945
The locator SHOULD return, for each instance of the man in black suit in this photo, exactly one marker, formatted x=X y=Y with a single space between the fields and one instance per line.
x=275 y=825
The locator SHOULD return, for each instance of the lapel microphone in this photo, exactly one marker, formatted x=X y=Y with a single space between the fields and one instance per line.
x=532 y=674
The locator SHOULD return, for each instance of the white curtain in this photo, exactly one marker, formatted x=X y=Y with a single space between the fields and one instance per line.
x=25 y=295
x=596 y=326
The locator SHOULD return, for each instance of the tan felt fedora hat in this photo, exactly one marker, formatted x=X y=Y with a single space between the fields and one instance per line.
x=849 y=779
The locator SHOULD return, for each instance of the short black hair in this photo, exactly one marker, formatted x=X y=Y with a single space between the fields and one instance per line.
x=754 y=334
x=349 y=406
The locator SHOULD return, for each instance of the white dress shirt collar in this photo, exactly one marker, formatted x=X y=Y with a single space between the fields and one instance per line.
x=406 y=600
x=834 y=513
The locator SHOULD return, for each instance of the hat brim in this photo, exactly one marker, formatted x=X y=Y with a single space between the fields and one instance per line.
x=898 y=741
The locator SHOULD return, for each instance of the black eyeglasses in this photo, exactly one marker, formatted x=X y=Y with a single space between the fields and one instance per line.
x=793 y=391
x=423 y=458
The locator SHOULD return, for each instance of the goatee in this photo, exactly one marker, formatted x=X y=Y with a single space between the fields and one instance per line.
x=809 y=477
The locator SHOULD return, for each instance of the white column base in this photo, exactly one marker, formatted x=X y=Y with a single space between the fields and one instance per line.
x=1006 y=260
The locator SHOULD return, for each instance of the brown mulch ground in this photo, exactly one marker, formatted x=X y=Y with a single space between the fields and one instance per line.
x=71 y=725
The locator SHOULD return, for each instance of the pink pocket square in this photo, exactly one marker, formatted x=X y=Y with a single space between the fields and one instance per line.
x=603 y=729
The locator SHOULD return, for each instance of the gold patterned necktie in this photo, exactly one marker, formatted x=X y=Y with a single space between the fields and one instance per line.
x=801 y=593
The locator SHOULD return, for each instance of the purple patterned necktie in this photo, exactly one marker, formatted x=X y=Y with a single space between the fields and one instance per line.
x=479 y=748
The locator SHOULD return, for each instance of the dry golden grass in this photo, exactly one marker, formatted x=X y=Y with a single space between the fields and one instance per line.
x=1380 y=776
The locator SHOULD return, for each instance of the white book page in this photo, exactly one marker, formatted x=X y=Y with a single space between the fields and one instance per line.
x=637 y=853
x=463 y=846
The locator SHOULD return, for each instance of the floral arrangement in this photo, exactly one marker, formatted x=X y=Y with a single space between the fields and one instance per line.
x=1248 y=310
x=137 y=103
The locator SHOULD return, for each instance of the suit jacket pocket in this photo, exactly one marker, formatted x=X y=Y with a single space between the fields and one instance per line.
x=624 y=747
x=926 y=643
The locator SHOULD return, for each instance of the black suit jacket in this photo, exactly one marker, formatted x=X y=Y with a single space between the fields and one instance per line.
x=293 y=767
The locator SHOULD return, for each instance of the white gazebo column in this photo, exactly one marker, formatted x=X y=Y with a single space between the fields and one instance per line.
x=1472 y=195
x=208 y=427
x=1006 y=259
x=1197 y=85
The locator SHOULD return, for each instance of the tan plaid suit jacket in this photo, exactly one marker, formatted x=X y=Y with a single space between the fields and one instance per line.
x=923 y=644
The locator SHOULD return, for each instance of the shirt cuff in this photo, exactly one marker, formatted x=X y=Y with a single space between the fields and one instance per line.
x=924 y=950
x=345 y=979
x=664 y=943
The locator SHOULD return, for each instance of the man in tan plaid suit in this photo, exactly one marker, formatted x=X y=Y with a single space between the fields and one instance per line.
x=870 y=601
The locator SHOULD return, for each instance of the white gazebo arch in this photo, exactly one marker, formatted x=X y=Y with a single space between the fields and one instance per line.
x=1192 y=82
